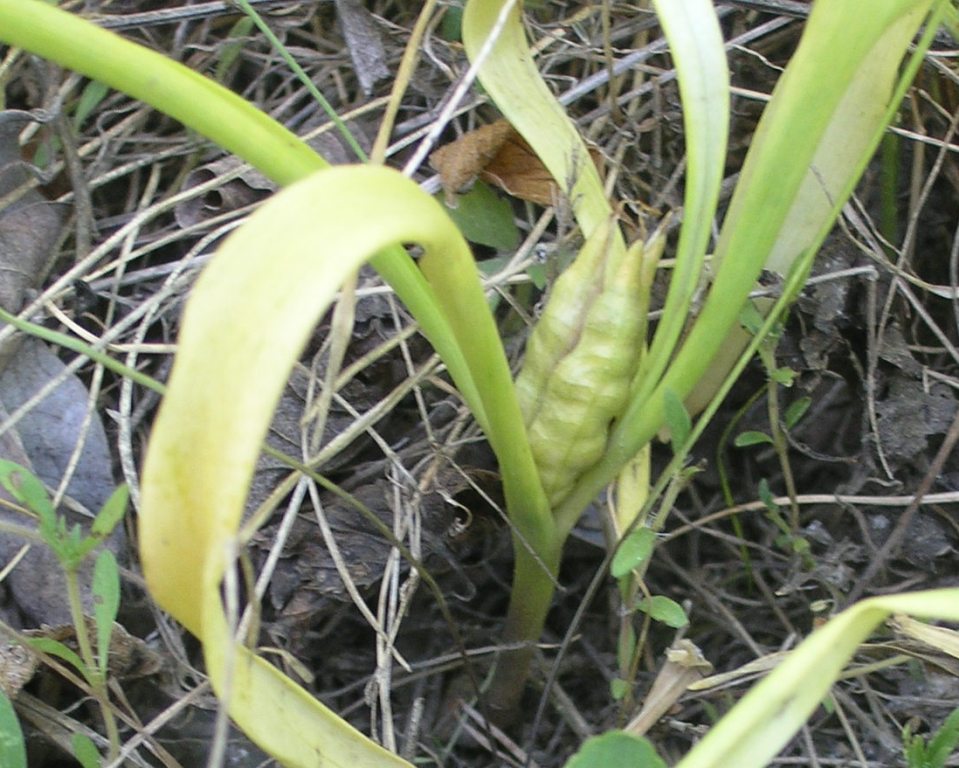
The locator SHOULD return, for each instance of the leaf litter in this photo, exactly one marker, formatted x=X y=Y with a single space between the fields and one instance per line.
x=871 y=356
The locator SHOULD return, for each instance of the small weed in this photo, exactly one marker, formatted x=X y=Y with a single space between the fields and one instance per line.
x=932 y=753
x=72 y=546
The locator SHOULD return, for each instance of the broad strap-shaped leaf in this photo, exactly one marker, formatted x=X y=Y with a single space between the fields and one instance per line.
x=828 y=67
x=696 y=45
x=759 y=726
x=174 y=89
x=242 y=330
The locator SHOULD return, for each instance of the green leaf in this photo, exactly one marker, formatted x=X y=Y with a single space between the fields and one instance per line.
x=635 y=549
x=55 y=648
x=27 y=489
x=93 y=93
x=677 y=420
x=13 y=751
x=766 y=496
x=618 y=688
x=85 y=751
x=111 y=513
x=796 y=410
x=205 y=414
x=696 y=47
x=616 y=749
x=485 y=218
x=451 y=28
x=664 y=610
x=745 y=439
x=540 y=271
x=231 y=51
x=783 y=376
x=750 y=318
x=799 y=545
x=914 y=749
x=106 y=603
x=760 y=725
x=943 y=743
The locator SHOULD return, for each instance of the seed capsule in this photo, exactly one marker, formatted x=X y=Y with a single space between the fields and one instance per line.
x=581 y=358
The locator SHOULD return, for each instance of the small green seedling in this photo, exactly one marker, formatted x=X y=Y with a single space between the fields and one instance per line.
x=69 y=543
x=933 y=752
x=72 y=546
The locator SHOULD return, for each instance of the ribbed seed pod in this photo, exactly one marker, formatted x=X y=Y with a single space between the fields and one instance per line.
x=581 y=359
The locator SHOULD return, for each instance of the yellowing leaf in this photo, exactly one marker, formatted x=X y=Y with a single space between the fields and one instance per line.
x=753 y=731
x=242 y=330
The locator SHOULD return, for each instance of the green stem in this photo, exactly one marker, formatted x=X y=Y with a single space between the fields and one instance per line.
x=534 y=581
x=780 y=443
x=74 y=344
x=95 y=677
x=889 y=188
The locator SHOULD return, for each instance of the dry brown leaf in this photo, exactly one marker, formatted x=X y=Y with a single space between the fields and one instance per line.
x=461 y=162
x=685 y=665
x=129 y=656
x=519 y=172
x=17 y=667
x=497 y=154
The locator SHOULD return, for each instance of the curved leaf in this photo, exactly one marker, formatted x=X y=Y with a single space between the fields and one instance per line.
x=225 y=118
x=760 y=725
x=171 y=87
x=243 y=328
x=829 y=65
x=696 y=44
x=800 y=169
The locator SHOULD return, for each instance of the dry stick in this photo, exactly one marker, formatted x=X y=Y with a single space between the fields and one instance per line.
x=179 y=13
x=786 y=7
x=400 y=83
x=891 y=545
x=947 y=497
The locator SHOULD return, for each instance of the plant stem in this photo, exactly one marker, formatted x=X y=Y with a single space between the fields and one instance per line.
x=95 y=677
x=781 y=447
x=76 y=345
x=534 y=581
x=304 y=78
